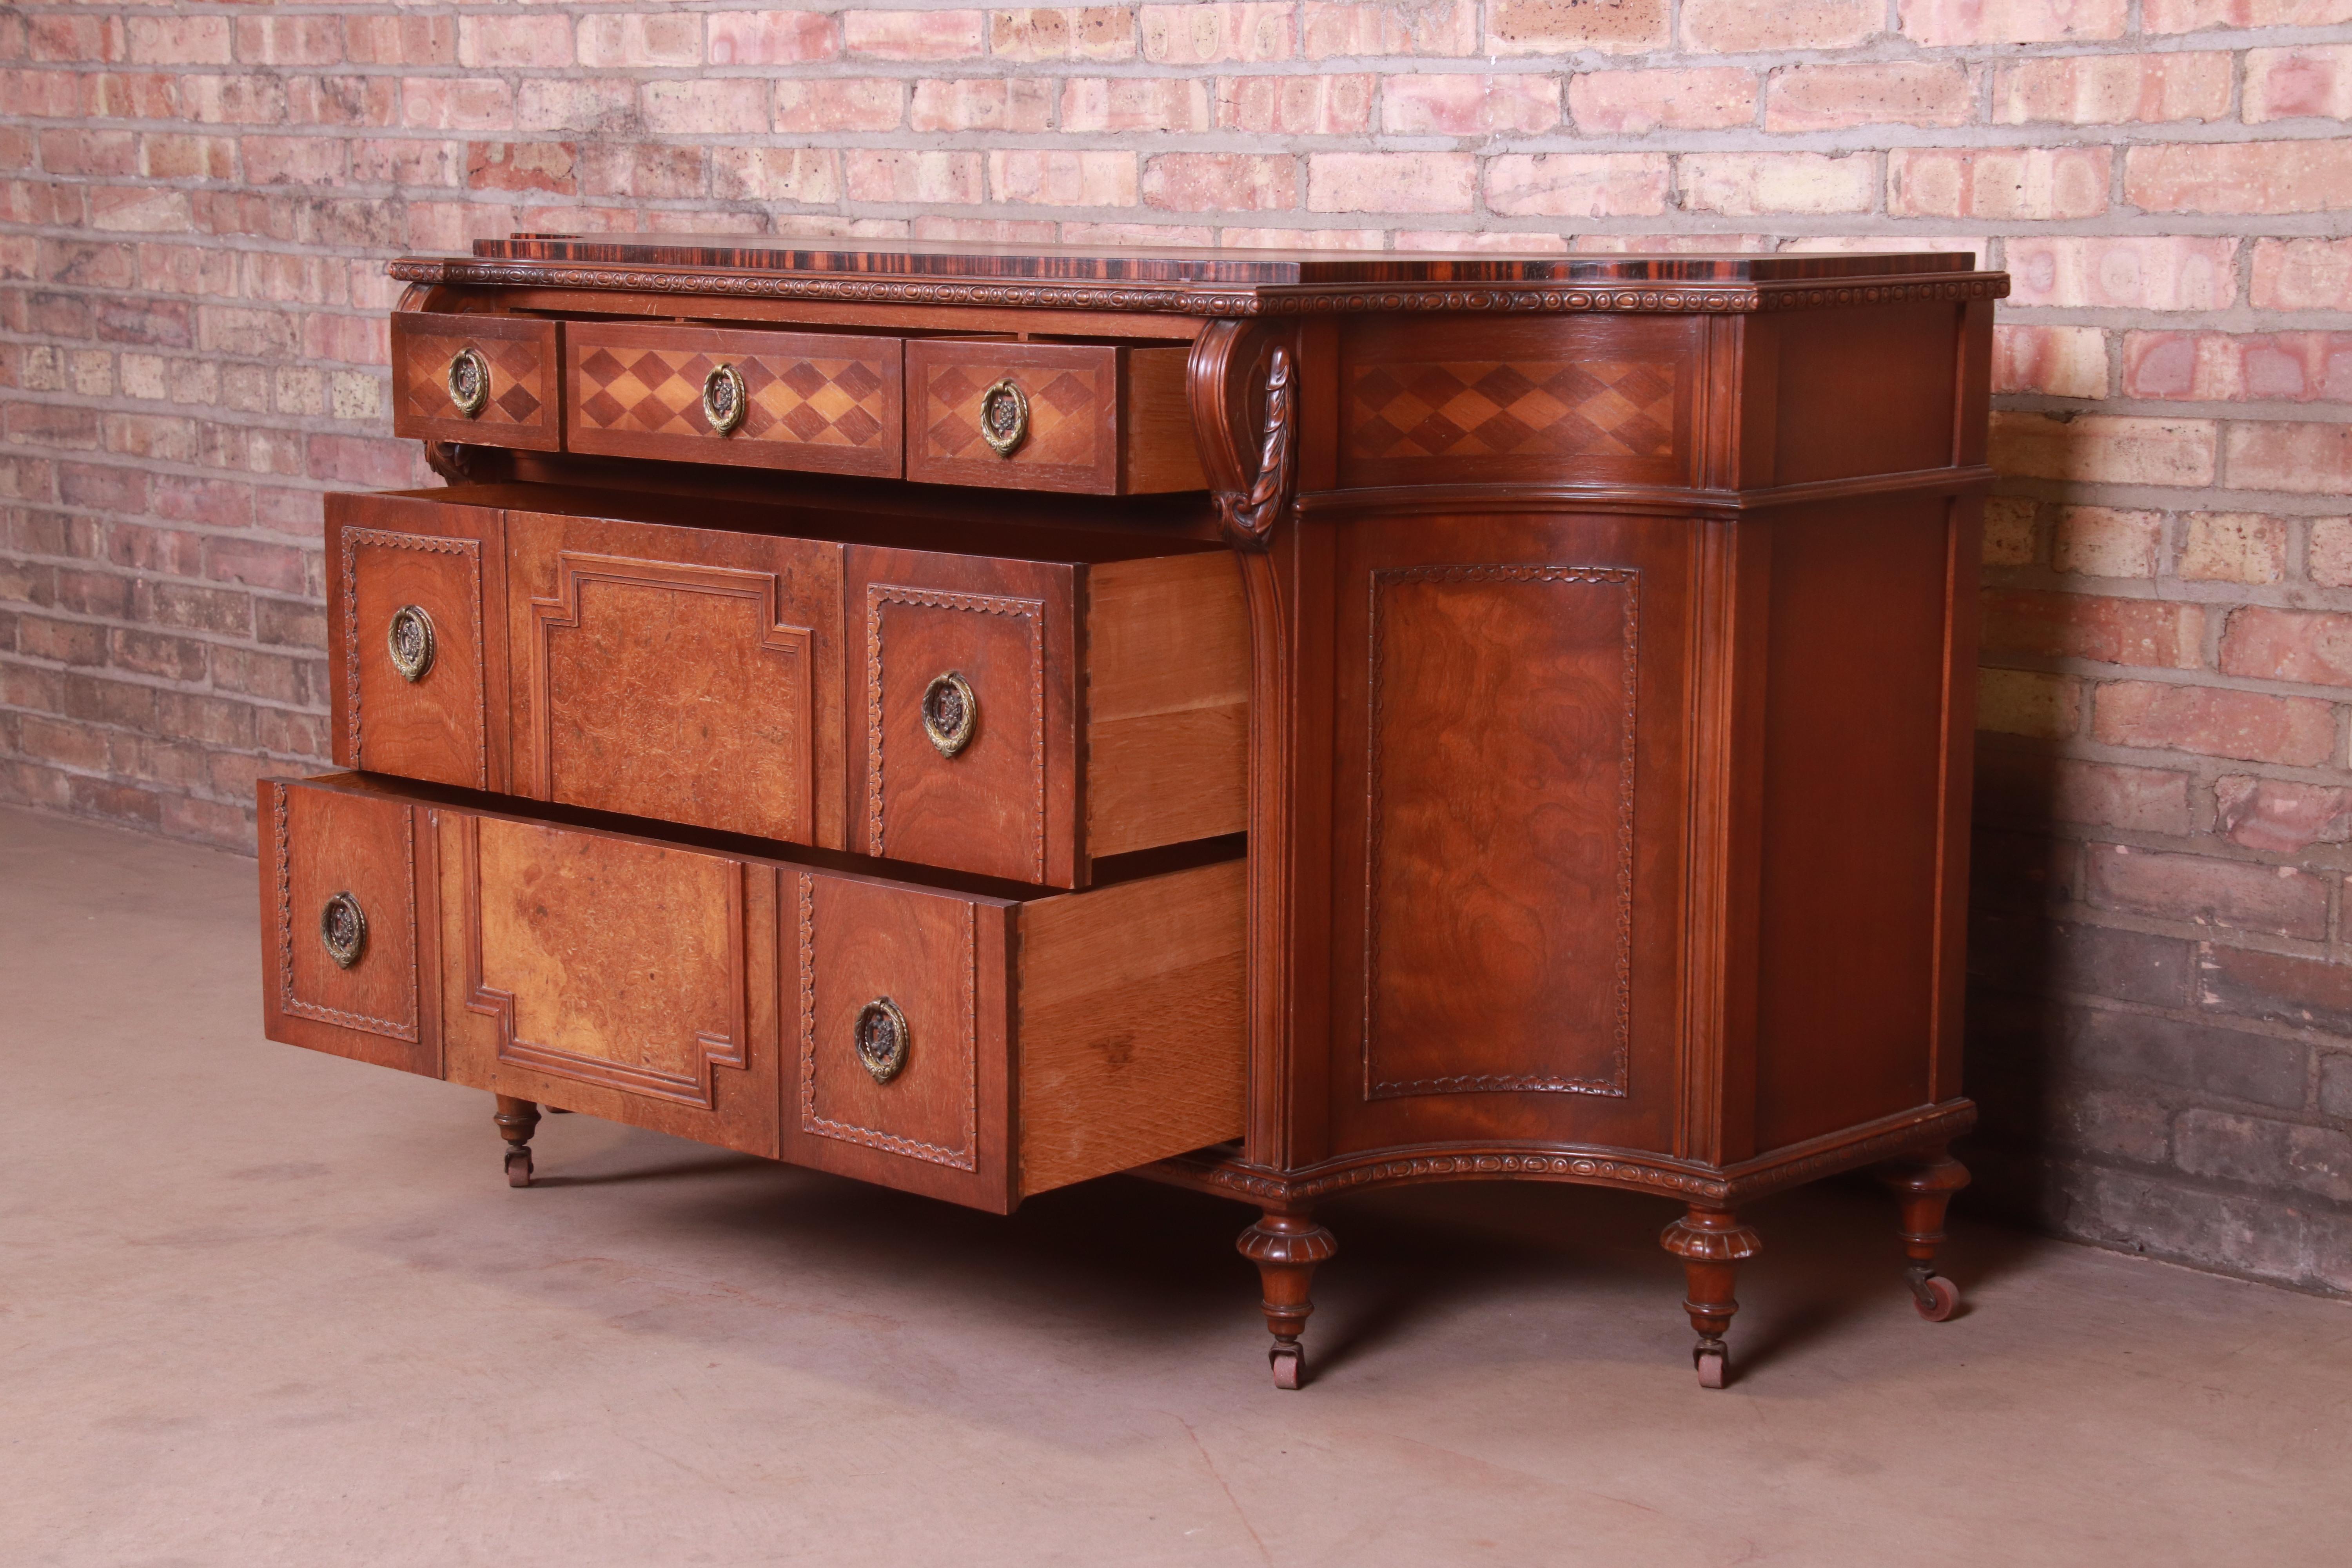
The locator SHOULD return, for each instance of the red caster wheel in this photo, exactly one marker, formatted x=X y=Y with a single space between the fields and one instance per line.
x=518 y=1167
x=1289 y=1364
x=1714 y=1366
x=1936 y=1297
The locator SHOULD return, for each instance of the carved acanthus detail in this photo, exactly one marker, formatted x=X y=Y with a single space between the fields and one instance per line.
x=1228 y=361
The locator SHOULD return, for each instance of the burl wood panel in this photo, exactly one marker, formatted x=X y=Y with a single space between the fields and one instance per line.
x=1509 y=832
x=1853 y=737
x=621 y=976
x=318 y=842
x=942 y=1124
x=390 y=553
x=1074 y=409
x=681 y=674
x=1003 y=805
x=525 y=393
x=1438 y=400
x=1166 y=703
x=828 y=401
x=1132 y=1044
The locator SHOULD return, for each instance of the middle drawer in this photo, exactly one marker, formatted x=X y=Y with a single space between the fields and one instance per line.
x=1012 y=716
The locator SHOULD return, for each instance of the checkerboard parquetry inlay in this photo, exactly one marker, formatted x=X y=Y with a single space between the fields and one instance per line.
x=1065 y=415
x=1587 y=408
x=794 y=399
x=518 y=378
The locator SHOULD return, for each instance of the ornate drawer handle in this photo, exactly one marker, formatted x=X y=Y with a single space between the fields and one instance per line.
x=342 y=930
x=882 y=1038
x=469 y=382
x=409 y=638
x=723 y=399
x=949 y=713
x=1005 y=417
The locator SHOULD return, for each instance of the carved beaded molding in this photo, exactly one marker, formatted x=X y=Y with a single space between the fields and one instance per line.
x=1179 y=300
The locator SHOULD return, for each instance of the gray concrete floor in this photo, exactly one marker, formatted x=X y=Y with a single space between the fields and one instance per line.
x=262 y=1307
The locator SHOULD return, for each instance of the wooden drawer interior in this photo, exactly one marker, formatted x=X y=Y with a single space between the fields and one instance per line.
x=512 y=363
x=1096 y=418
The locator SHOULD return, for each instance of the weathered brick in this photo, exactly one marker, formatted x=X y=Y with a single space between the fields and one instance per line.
x=2279 y=815
x=2011 y=531
x=1632 y=101
x=907 y=177
x=1390 y=182
x=1896 y=92
x=1087 y=33
x=508 y=41
x=1326 y=105
x=2194 y=16
x=1220 y=182
x=1465 y=105
x=2311 y=646
x=179 y=40
x=914 y=35
x=2233 y=547
x=1102 y=179
x=2125 y=272
x=1752 y=184
x=1134 y=103
x=2112 y=89
x=771 y=37
x=2225 y=366
x=1997 y=183
x=289 y=40
x=2102 y=961
x=719 y=105
x=2214 y=722
x=2280 y=455
x=2301 y=275
x=1577 y=184
x=639 y=41
x=2025 y=703
x=2106 y=448
x=1005 y=103
x=2145 y=632
x=1741 y=26
x=2057 y=362
x=1937 y=23
x=2107 y=541
x=1563 y=27
x=2279 y=899
x=400 y=40
x=2241 y=177
x=2263 y=1151
x=1206 y=35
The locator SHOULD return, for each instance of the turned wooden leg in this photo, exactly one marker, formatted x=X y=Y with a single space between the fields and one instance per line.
x=517 y=1120
x=1712 y=1243
x=1923 y=1188
x=1286 y=1246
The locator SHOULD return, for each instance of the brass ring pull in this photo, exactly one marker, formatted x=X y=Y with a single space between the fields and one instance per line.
x=342 y=928
x=949 y=713
x=882 y=1038
x=1005 y=417
x=409 y=638
x=724 y=399
x=469 y=382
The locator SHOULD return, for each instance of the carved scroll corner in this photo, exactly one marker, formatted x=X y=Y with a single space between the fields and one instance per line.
x=1243 y=417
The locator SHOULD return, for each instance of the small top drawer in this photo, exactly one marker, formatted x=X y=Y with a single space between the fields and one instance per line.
x=826 y=402
x=1096 y=418
x=490 y=380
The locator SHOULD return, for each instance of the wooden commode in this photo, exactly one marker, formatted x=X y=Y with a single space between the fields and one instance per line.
x=975 y=720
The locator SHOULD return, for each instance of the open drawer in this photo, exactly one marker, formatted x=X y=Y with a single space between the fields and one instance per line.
x=969 y=1045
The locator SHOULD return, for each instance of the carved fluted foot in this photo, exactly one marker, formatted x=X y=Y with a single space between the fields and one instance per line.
x=1285 y=1247
x=517 y=1120
x=1923 y=1190
x=1712 y=1243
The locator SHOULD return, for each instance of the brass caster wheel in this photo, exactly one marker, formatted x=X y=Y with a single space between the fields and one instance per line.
x=1289 y=1364
x=1936 y=1297
x=1713 y=1363
x=518 y=1167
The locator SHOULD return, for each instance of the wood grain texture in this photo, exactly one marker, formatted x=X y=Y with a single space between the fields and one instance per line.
x=1073 y=443
x=523 y=407
x=829 y=402
x=1157 y=452
x=1166 y=703
x=1132 y=1042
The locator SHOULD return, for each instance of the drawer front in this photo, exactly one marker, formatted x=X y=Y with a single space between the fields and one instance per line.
x=339 y=925
x=506 y=369
x=826 y=402
x=1066 y=417
x=676 y=674
x=620 y=976
x=412 y=671
x=942 y=637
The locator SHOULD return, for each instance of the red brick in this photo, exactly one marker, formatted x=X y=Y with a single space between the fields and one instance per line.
x=574 y=103
x=1144 y=234
x=712 y=106
x=2057 y=362
x=1206 y=35
x=171 y=157
x=648 y=169
x=439 y=103
x=1753 y=184
x=1041 y=178
x=1134 y=103
x=2215 y=721
x=2280 y=816
x=1997 y=183
x=2144 y=273
x=773 y=37
x=1390 y=182
x=179 y=40
x=523 y=166
x=2312 y=175
x=2194 y=16
x=490 y=43
x=2104 y=448
x=910 y=177
x=1220 y=182
x=2233 y=547
x=2307 y=458
x=2314 y=80
x=2294 y=367
x=69 y=39
x=2107 y=541
x=1898 y=92
x=1634 y=102
x=1465 y=240
x=1329 y=105
x=1430 y=27
x=635 y=41
x=63 y=642
x=1743 y=26
x=2148 y=632
x=1577 y=184
x=915 y=35
x=2279 y=899
x=401 y=40
x=1465 y=105
x=1087 y=33
x=1937 y=23
x=350 y=101
x=89 y=152
x=2268 y=643
x=1564 y=26
x=2303 y=275
x=289 y=40
x=2112 y=89
x=998 y=103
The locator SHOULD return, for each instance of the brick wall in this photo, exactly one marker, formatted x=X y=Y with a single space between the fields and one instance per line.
x=198 y=196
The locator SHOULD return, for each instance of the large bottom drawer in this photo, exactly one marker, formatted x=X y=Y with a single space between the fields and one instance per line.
x=973 y=1047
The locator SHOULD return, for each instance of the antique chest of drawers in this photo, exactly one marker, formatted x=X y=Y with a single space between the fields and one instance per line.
x=975 y=721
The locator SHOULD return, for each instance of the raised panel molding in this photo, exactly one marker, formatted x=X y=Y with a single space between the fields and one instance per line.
x=470 y=552
x=1586 y=598
x=963 y=1158
x=710 y=1048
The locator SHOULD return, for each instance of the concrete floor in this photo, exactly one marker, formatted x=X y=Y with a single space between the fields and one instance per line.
x=260 y=1307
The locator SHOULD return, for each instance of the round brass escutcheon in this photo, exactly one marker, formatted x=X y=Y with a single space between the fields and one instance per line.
x=469 y=382
x=951 y=712
x=882 y=1038
x=342 y=928
x=409 y=639
x=724 y=398
x=1005 y=417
